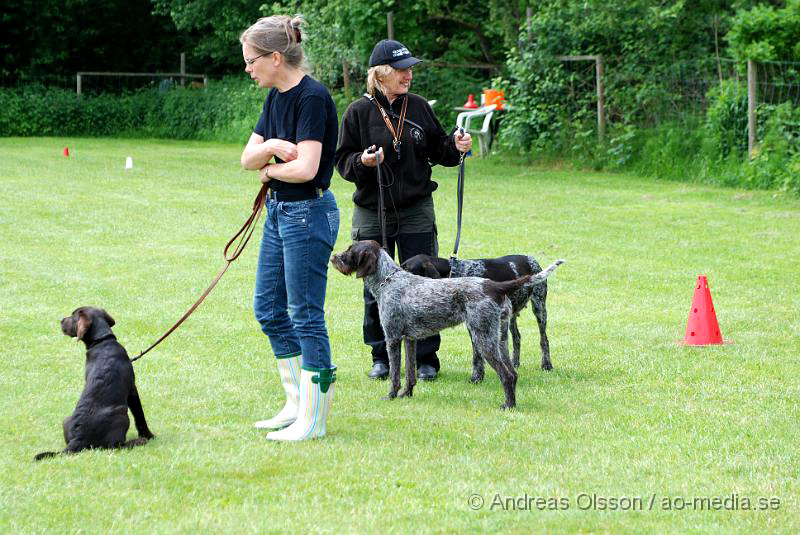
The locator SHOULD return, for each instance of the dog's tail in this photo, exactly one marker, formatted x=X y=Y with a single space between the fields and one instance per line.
x=141 y=441
x=507 y=287
x=542 y=275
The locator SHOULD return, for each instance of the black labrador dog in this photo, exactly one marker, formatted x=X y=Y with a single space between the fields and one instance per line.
x=501 y=269
x=101 y=419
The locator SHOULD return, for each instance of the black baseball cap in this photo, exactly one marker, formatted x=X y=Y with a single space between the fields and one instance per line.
x=392 y=53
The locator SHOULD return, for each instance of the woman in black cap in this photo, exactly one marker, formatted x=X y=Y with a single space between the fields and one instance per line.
x=397 y=130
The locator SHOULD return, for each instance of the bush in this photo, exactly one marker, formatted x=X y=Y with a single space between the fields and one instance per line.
x=776 y=160
x=225 y=111
x=726 y=120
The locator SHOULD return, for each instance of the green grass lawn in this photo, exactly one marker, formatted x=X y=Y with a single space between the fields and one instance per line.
x=628 y=415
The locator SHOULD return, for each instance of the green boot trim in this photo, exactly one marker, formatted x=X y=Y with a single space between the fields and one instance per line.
x=289 y=356
x=325 y=377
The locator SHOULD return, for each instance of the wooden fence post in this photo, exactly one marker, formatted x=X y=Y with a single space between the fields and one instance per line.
x=390 y=25
x=78 y=83
x=346 y=78
x=752 y=96
x=601 y=97
x=601 y=100
x=183 y=68
x=529 y=13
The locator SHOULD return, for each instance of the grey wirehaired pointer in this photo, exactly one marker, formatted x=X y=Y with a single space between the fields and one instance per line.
x=504 y=268
x=413 y=307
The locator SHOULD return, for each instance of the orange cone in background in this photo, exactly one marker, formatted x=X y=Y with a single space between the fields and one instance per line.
x=702 y=328
x=66 y=152
x=470 y=103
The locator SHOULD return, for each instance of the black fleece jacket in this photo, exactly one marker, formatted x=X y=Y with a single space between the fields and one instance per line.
x=424 y=143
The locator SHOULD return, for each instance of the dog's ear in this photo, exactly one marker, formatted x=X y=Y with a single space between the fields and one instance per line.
x=107 y=317
x=84 y=324
x=367 y=262
x=430 y=271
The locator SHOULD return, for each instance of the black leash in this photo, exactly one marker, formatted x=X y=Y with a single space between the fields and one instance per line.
x=381 y=201
x=460 y=198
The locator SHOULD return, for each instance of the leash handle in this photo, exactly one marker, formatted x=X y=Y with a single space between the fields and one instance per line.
x=244 y=236
x=247 y=229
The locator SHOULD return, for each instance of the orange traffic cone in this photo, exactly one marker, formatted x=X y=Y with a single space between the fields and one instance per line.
x=66 y=152
x=702 y=328
x=470 y=103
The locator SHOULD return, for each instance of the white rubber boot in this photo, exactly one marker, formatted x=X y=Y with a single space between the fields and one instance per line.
x=289 y=369
x=316 y=396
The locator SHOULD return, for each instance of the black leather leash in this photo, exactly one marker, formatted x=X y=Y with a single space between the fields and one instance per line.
x=244 y=236
x=381 y=201
x=460 y=199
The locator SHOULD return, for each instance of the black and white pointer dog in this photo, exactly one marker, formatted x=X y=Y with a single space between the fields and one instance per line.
x=413 y=307
x=504 y=268
x=100 y=419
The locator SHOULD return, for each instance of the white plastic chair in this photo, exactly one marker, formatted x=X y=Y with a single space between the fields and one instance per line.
x=482 y=134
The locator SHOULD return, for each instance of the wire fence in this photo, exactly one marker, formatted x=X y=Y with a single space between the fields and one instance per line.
x=778 y=82
x=651 y=94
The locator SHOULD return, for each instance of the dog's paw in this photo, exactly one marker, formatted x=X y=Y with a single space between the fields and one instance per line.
x=390 y=396
x=475 y=379
x=507 y=406
x=547 y=366
x=406 y=393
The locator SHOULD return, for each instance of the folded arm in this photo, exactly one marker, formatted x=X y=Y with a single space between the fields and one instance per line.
x=258 y=152
x=302 y=169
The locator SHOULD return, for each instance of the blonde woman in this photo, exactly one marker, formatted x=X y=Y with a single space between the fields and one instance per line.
x=408 y=139
x=292 y=149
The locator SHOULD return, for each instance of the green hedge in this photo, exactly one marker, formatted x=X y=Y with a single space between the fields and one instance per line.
x=225 y=111
x=710 y=148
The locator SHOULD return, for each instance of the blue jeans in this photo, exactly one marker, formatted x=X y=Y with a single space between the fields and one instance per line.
x=292 y=276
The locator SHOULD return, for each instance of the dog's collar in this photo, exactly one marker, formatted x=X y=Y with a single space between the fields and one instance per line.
x=452 y=263
x=103 y=338
x=386 y=279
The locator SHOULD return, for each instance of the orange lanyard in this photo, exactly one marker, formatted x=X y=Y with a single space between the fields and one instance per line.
x=395 y=135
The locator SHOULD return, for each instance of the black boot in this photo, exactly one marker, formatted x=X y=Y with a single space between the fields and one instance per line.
x=426 y=372
x=380 y=370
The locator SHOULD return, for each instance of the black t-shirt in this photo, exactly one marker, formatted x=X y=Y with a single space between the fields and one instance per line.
x=304 y=112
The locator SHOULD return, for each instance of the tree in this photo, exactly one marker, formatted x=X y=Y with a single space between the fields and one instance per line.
x=642 y=42
x=72 y=35
x=216 y=24
x=765 y=33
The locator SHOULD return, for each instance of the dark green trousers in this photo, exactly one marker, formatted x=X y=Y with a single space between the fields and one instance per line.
x=412 y=231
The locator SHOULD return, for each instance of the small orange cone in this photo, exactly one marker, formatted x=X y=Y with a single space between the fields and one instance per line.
x=66 y=152
x=702 y=328
x=470 y=103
